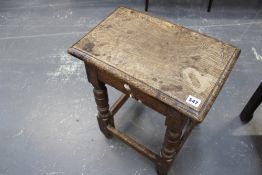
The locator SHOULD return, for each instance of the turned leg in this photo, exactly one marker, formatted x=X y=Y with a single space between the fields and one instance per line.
x=171 y=145
x=104 y=116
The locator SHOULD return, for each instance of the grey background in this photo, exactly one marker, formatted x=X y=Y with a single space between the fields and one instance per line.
x=47 y=110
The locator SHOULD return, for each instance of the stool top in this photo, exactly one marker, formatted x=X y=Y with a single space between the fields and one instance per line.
x=180 y=67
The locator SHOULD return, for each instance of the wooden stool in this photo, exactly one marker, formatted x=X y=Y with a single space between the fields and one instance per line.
x=174 y=70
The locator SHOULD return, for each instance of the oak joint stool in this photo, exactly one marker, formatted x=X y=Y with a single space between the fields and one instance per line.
x=169 y=68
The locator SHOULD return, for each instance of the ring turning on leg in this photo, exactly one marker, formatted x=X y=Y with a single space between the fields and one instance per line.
x=104 y=116
x=171 y=145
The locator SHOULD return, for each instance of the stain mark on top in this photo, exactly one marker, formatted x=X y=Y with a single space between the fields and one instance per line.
x=109 y=26
x=89 y=47
x=154 y=79
x=130 y=32
x=102 y=44
x=108 y=58
x=171 y=88
x=96 y=54
x=195 y=67
x=194 y=80
x=196 y=58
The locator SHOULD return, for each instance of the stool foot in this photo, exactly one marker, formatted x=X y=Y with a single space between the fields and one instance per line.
x=162 y=167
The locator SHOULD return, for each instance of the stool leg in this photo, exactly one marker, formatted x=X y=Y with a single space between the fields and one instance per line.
x=146 y=5
x=247 y=113
x=171 y=144
x=104 y=116
x=209 y=5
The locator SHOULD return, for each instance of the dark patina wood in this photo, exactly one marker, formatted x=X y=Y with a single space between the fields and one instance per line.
x=134 y=144
x=117 y=105
x=210 y=2
x=247 y=113
x=160 y=64
x=104 y=116
x=172 y=141
x=146 y=5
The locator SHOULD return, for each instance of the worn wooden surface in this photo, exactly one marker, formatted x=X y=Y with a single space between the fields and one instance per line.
x=164 y=60
x=178 y=126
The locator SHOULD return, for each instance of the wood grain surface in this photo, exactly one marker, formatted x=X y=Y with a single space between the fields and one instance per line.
x=165 y=60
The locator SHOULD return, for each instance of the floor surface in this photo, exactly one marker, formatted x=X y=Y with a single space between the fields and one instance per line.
x=47 y=110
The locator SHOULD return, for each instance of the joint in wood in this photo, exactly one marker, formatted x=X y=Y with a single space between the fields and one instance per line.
x=119 y=102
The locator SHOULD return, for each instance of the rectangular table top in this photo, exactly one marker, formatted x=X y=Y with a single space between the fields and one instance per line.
x=180 y=67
